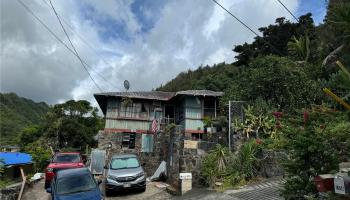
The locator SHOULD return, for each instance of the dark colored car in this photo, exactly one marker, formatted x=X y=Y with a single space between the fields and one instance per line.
x=74 y=184
x=125 y=172
x=62 y=161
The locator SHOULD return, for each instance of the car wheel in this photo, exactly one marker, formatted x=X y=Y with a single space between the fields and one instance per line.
x=107 y=192
x=143 y=189
x=47 y=185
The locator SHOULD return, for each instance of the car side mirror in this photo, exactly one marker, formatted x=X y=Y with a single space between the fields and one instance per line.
x=99 y=182
x=106 y=167
x=49 y=190
x=143 y=164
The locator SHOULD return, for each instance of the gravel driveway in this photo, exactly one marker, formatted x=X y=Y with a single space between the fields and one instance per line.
x=37 y=192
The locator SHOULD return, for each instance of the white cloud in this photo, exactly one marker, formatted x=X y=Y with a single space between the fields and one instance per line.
x=186 y=35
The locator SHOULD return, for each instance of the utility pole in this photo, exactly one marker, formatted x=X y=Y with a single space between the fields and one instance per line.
x=229 y=125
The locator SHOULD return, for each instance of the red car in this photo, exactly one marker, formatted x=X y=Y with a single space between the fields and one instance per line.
x=62 y=161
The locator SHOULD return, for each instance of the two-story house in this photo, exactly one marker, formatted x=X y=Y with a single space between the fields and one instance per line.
x=130 y=113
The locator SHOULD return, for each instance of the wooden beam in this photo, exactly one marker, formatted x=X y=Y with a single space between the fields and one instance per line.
x=342 y=67
x=23 y=183
x=336 y=98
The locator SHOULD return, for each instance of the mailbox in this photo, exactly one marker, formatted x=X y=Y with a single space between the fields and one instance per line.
x=186 y=182
x=342 y=184
x=324 y=182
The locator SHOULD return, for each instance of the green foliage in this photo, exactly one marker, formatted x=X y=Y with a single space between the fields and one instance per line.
x=222 y=166
x=300 y=48
x=40 y=154
x=339 y=19
x=245 y=163
x=277 y=80
x=29 y=135
x=2 y=166
x=275 y=39
x=16 y=113
x=315 y=147
x=258 y=125
x=214 y=165
x=72 y=124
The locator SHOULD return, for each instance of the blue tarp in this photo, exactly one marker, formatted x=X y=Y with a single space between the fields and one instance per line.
x=15 y=158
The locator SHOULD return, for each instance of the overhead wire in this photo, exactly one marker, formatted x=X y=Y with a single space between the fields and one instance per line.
x=76 y=52
x=290 y=12
x=86 y=43
x=54 y=34
x=250 y=29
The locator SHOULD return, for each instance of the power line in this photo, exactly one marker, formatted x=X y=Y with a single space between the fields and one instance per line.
x=245 y=25
x=87 y=44
x=79 y=36
x=55 y=36
x=81 y=61
x=240 y=21
x=285 y=7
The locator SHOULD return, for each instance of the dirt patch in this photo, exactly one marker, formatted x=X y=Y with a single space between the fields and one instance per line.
x=152 y=193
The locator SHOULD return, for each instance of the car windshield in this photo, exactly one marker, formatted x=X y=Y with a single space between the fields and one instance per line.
x=60 y=158
x=123 y=163
x=74 y=184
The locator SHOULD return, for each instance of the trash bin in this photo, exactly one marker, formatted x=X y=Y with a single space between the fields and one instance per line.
x=324 y=182
x=342 y=184
x=186 y=182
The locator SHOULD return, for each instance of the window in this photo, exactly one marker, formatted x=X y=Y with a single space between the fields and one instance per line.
x=74 y=184
x=128 y=140
x=147 y=143
x=124 y=163
x=61 y=158
x=134 y=110
x=197 y=136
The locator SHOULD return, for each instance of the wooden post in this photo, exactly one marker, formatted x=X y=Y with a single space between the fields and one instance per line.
x=23 y=183
x=215 y=108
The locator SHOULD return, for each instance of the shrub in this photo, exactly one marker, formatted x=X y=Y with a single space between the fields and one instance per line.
x=40 y=155
x=315 y=145
x=221 y=165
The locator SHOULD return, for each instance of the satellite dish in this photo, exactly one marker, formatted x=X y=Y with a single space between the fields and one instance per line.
x=126 y=84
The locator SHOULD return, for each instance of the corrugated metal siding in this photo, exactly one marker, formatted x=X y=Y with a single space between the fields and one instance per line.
x=193 y=113
x=193 y=124
x=127 y=124
x=193 y=102
x=112 y=107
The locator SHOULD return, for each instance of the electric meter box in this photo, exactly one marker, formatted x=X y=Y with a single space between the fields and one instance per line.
x=342 y=184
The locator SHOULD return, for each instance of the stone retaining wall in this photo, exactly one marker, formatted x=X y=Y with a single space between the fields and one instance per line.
x=151 y=159
x=270 y=163
x=11 y=192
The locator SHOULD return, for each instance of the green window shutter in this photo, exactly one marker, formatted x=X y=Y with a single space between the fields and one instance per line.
x=147 y=143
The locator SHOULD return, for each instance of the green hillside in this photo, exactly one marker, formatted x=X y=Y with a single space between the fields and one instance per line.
x=16 y=113
x=287 y=66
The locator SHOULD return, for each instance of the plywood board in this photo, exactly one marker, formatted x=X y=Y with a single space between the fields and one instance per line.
x=189 y=144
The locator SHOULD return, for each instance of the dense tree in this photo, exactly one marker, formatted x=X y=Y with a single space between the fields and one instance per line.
x=278 y=80
x=17 y=113
x=72 y=124
x=275 y=38
x=29 y=135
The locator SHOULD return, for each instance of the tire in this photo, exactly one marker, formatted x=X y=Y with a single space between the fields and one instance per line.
x=107 y=192
x=47 y=185
x=143 y=189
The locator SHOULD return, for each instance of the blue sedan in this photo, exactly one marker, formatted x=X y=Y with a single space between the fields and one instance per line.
x=74 y=184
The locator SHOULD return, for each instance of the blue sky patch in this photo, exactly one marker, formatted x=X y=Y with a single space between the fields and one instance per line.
x=147 y=12
x=318 y=8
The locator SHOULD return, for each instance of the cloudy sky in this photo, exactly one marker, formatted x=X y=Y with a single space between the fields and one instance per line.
x=147 y=42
